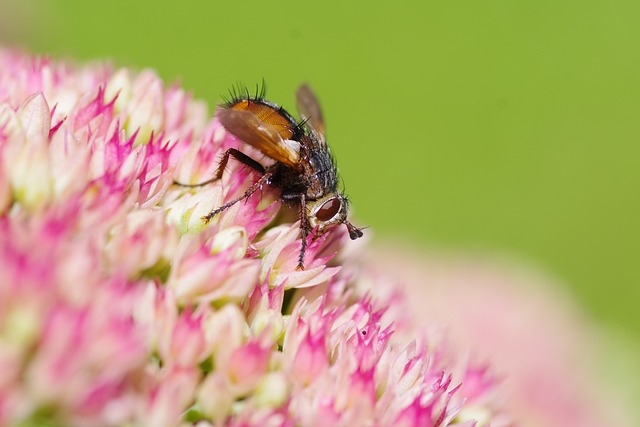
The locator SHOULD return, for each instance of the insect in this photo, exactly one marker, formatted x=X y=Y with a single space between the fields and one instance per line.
x=303 y=170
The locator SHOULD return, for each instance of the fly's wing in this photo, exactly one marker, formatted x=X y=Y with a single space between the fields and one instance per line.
x=249 y=128
x=309 y=108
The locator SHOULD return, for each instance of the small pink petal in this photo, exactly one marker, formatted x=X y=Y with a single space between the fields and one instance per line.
x=35 y=116
x=247 y=365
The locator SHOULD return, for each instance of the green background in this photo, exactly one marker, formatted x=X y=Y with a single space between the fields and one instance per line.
x=497 y=125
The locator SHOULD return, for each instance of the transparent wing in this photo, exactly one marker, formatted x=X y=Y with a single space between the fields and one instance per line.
x=309 y=108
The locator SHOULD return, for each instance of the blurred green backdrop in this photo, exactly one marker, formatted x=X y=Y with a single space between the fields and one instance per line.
x=495 y=125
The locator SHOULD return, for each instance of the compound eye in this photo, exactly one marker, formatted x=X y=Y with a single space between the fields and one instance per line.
x=329 y=209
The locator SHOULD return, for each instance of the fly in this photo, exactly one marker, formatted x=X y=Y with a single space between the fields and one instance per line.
x=304 y=169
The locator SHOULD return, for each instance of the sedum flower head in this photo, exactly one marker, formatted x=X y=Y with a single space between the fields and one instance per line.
x=120 y=307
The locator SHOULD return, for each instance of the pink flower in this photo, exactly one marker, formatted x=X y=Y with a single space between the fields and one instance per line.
x=120 y=306
x=247 y=365
x=542 y=348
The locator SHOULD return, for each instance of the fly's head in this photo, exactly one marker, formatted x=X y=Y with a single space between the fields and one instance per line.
x=329 y=211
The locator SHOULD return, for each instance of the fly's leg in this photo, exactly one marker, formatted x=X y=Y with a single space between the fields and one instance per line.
x=304 y=225
x=263 y=179
x=239 y=156
x=304 y=230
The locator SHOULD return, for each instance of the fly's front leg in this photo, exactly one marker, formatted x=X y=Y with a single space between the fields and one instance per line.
x=304 y=225
x=239 y=156
x=263 y=179
x=304 y=230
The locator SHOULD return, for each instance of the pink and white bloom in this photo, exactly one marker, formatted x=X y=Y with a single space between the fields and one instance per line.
x=120 y=307
x=545 y=353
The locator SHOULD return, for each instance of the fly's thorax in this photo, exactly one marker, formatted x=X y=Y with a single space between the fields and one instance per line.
x=327 y=212
x=320 y=173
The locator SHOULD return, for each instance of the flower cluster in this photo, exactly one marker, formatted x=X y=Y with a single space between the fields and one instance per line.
x=120 y=306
